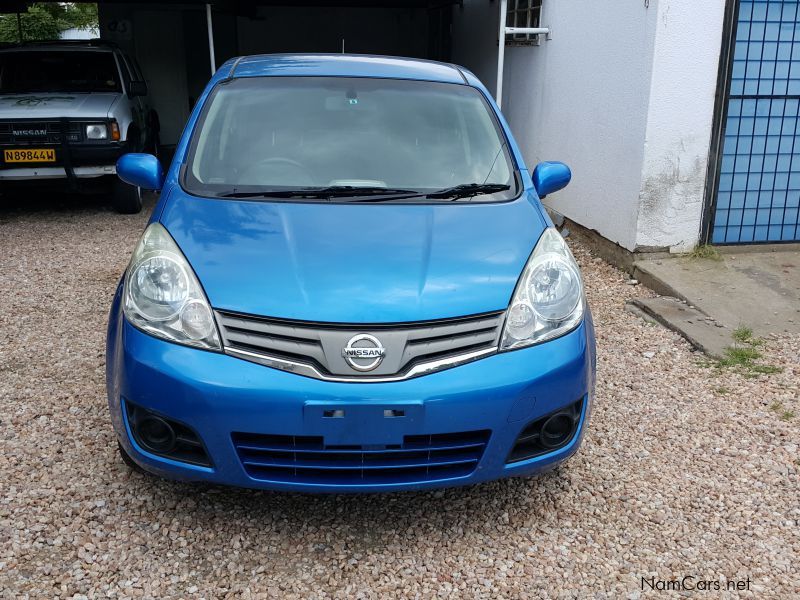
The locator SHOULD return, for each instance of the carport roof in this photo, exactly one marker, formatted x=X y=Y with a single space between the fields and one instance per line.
x=341 y=65
x=236 y=5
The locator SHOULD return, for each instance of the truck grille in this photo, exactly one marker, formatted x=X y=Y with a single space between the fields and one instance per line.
x=306 y=459
x=317 y=349
x=37 y=132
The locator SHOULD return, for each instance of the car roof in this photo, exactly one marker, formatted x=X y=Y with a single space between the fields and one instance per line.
x=343 y=65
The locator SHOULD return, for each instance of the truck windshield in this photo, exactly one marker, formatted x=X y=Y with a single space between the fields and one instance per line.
x=57 y=71
x=290 y=137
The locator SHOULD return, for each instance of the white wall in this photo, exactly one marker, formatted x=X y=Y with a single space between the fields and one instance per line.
x=80 y=33
x=623 y=93
x=682 y=93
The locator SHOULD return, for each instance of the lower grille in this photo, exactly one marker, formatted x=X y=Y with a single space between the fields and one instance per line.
x=306 y=459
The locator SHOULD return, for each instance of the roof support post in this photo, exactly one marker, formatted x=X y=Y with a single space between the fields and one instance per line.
x=210 y=24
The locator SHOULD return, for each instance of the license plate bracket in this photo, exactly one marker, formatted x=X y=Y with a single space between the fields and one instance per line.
x=371 y=424
x=29 y=155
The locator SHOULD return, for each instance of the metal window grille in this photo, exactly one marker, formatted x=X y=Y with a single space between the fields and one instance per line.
x=523 y=13
x=758 y=196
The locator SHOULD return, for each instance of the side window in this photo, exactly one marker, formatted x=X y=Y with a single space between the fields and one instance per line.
x=523 y=13
x=125 y=69
x=137 y=69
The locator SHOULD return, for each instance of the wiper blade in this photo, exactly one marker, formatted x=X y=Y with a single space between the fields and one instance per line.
x=466 y=190
x=333 y=191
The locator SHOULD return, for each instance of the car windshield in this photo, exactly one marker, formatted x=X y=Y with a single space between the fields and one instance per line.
x=348 y=137
x=58 y=71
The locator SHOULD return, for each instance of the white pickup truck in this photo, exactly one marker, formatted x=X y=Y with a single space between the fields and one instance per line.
x=68 y=111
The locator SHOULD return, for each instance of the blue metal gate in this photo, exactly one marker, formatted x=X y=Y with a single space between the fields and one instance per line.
x=758 y=190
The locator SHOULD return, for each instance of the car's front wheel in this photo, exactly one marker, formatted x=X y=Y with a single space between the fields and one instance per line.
x=126 y=199
x=126 y=458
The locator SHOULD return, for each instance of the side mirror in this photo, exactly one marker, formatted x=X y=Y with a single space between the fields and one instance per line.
x=549 y=177
x=137 y=88
x=141 y=170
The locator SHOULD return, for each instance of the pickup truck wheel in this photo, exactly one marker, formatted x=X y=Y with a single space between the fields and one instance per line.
x=127 y=199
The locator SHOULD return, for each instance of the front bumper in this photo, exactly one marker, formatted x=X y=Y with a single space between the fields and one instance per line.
x=73 y=161
x=218 y=395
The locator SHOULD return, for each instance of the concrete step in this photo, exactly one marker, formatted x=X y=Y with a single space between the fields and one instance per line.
x=699 y=329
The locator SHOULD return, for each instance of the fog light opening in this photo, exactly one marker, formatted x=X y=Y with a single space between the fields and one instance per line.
x=156 y=434
x=557 y=430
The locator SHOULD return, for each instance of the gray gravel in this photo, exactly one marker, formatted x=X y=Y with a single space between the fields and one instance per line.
x=686 y=470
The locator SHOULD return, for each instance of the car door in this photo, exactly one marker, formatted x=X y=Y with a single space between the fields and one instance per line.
x=138 y=104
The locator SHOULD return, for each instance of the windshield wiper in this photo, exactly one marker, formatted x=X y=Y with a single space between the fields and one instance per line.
x=465 y=190
x=333 y=191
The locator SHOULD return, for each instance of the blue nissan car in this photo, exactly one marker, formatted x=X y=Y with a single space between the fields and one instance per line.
x=348 y=284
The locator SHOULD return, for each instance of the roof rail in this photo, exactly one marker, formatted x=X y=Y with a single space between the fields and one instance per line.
x=93 y=43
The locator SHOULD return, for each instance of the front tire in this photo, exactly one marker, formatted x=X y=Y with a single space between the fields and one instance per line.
x=126 y=458
x=126 y=199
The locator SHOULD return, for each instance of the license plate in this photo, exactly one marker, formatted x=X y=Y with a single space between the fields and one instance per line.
x=30 y=155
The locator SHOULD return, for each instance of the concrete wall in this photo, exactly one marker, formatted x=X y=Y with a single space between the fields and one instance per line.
x=623 y=93
x=581 y=97
x=475 y=26
x=154 y=34
x=373 y=30
x=682 y=92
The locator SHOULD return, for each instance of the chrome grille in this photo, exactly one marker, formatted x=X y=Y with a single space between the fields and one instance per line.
x=37 y=132
x=316 y=349
x=307 y=459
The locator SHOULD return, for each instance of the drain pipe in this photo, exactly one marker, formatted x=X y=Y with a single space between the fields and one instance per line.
x=210 y=25
x=501 y=52
x=501 y=49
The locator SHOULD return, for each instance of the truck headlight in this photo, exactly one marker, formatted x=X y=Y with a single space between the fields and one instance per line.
x=97 y=131
x=548 y=301
x=163 y=296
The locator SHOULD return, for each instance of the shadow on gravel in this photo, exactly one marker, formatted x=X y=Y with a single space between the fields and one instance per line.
x=365 y=517
x=16 y=205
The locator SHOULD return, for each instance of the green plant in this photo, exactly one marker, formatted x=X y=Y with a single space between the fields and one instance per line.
x=704 y=251
x=742 y=334
x=744 y=352
x=46 y=20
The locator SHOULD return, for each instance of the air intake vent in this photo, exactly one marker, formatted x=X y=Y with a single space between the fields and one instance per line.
x=306 y=459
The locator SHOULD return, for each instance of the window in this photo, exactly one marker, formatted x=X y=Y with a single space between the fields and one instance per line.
x=58 y=71
x=279 y=133
x=523 y=13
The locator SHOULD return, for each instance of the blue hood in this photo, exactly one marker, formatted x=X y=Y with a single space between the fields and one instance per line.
x=354 y=263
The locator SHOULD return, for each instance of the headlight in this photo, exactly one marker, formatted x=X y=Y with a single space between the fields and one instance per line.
x=548 y=301
x=96 y=131
x=163 y=296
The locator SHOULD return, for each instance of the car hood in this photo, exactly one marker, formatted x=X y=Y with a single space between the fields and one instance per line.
x=355 y=263
x=56 y=105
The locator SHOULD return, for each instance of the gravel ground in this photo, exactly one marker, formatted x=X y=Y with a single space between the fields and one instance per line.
x=686 y=469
